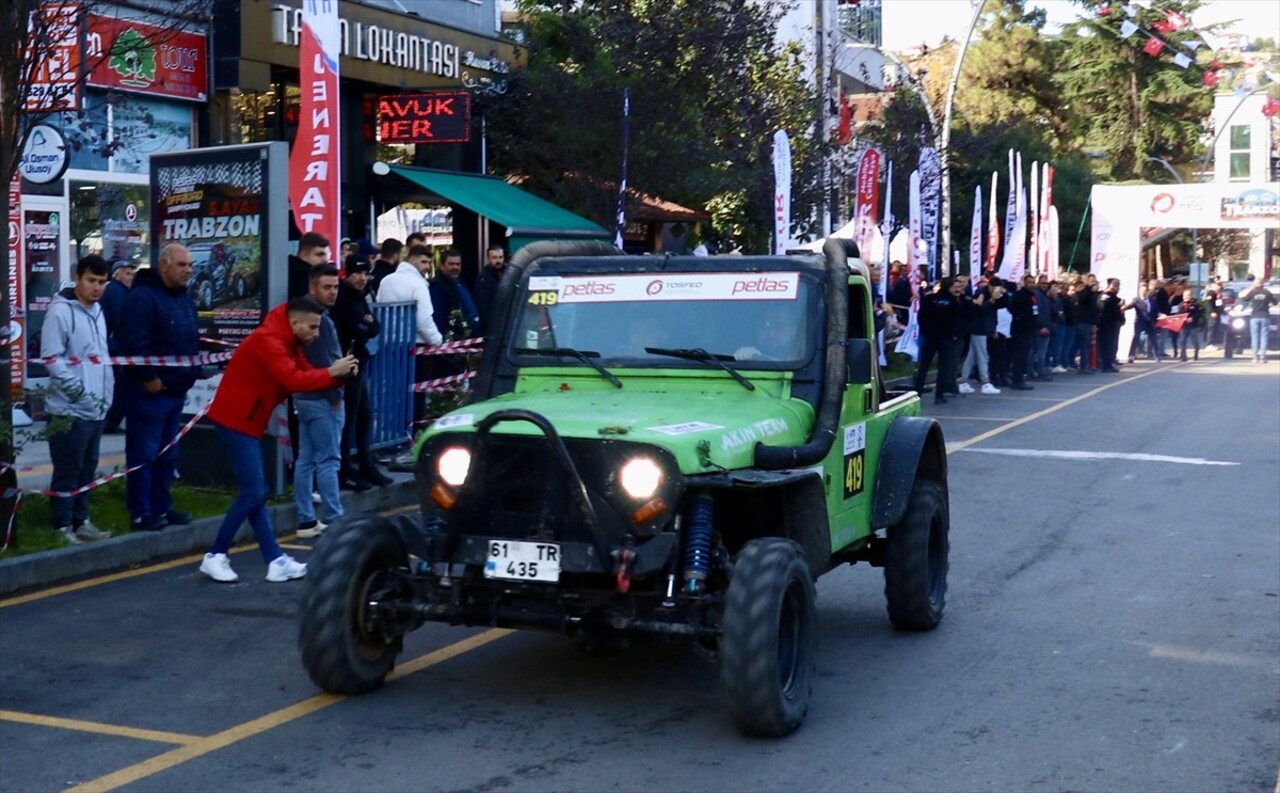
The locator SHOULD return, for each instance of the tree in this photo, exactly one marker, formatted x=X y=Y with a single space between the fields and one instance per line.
x=708 y=87
x=42 y=72
x=1126 y=102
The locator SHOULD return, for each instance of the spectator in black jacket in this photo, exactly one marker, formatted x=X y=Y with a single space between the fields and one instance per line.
x=1086 y=321
x=357 y=329
x=388 y=260
x=942 y=321
x=1110 y=318
x=112 y=303
x=313 y=251
x=982 y=326
x=487 y=283
x=1024 y=328
x=1042 y=308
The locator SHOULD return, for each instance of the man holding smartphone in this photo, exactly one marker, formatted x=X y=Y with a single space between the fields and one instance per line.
x=320 y=418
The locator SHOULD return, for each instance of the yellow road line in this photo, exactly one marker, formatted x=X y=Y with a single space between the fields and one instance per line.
x=153 y=568
x=203 y=746
x=98 y=727
x=955 y=447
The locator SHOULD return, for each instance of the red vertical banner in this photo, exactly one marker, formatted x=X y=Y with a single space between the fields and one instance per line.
x=16 y=297
x=314 y=175
x=867 y=205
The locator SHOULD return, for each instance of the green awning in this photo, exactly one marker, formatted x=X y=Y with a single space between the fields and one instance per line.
x=524 y=214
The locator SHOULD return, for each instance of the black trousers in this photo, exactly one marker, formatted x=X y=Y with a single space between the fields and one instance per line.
x=1108 y=345
x=355 y=432
x=1019 y=348
x=928 y=351
x=998 y=352
x=948 y=359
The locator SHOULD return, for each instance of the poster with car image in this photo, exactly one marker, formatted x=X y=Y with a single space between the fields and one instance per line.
x=214 y=201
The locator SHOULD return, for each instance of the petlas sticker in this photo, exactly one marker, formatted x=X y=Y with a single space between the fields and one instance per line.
x=671 y=287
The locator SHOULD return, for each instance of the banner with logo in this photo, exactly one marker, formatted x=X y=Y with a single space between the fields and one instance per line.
x=16 y=298
x=781 y=192
x=886 y=231
x=1011 y=206
x=217 y=203
x=134 y=56
x=41 y=237
x=1033 y=220
x=866 y=206
x=314 y=170
x=975 y=234
x=930 y=206
x=55 y=82
x=993 y=227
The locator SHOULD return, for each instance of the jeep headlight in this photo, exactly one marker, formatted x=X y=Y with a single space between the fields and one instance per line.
x=640 y=477
x=453 y=465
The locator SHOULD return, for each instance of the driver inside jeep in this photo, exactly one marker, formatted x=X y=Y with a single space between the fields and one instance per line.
x=777 y=337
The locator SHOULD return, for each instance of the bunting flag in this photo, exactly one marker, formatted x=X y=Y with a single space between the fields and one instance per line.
x=314 y=176
x=975 y=235
x=1162 y=26
x=622 y=184
x=1176 y=21
x=1011 y=206
x=993 y=227
x=1153 y=46
x=1210 y=79
x=1182 y=60
x=1271 y=108
x=1130 y=10
x=781 y=192
x=1128 y=28
x=886 y=230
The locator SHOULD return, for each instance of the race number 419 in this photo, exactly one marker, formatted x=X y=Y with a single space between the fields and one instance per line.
x=855 y=459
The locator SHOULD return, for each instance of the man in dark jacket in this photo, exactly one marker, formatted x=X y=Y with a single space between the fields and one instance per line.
x=1043 y=310
x=487 y=283
x=388 y=260
x=1086 y=321
x=356 y=327
x=1158 y=308
x=1110 y=318
x=112 y=303
x=1024 y=328
x=159 y=318
x=321 y=415
x=942 y=322
x=313 y=251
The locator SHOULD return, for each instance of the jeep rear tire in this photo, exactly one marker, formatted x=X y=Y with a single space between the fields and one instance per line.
x=767 y=650
x=343 y=650
x=915 y=568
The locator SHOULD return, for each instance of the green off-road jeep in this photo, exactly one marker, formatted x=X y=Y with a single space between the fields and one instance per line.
x=658 y=446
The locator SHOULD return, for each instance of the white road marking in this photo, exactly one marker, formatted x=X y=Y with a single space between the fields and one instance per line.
x=1063 y=454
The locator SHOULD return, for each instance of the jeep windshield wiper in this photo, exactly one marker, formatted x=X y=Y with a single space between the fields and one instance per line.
x=586 y=356
x=699 y=354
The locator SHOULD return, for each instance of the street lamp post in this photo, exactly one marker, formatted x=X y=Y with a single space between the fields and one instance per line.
x=944 y=154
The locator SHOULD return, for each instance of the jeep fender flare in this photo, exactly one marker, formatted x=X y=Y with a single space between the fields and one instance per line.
x=913 y=448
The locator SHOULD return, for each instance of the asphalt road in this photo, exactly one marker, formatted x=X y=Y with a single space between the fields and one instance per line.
x=1113 y=624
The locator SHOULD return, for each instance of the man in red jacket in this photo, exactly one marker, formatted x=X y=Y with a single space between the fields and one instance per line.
x=266 y=368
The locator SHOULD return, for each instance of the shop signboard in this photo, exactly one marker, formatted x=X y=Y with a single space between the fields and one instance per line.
x=17 y=360
x=438 y=117
x=55 y=83
x=134 y=56
x=227 y=206
x=41 y=233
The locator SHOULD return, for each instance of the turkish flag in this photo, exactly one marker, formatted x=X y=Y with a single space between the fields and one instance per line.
x=1176 y=21
x=1162 y=26
x=1172 y=323
x=1271 y=108
x=1211 y=79
x=1153 y=46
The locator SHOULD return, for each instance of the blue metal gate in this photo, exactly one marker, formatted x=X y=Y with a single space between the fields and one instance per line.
x=391 y=374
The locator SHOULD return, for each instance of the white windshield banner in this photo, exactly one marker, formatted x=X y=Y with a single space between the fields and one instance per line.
x=667 y=287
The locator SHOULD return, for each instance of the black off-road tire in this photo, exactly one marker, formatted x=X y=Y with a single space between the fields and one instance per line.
x=767 y=650
x=916 y=560
x=341 y=653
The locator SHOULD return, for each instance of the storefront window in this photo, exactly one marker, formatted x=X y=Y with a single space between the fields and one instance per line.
x=121 y=135
x=110 y=220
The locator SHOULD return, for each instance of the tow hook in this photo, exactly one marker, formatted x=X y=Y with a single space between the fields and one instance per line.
x=625 y=558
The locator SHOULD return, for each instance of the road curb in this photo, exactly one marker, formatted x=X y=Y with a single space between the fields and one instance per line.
x=59 y=564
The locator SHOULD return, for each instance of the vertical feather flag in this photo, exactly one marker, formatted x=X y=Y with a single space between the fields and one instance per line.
x=886 y=230
x=975 y=234
x=930 y=206
x=1011 y=206
x=909 y=341
x=781 y=191
x=314 y=167
x=622 y=185
x=1053 y=243
x=993 y=227
x=1046 y=202
x=1033 y=219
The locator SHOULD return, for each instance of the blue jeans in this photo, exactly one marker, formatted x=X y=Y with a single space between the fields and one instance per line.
x=1067 y=351
x=1039 y=350
x=244 y=453
x=319 y=457
x=74 y=454
x=1258 y=331
x=1055 y=356
x=153 y=421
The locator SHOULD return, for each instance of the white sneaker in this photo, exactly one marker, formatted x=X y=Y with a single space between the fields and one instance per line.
x=987 y=388
x=89 y=532
x=69 y=535
x=218 y=567
x=965 y=388
x=306 y=532
x=285 y=568
x=1058 y=370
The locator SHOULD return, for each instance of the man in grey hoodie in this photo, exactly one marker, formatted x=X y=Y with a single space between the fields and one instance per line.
x=81 y=383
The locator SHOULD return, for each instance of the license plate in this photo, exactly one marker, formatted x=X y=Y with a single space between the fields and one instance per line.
x=523 y=561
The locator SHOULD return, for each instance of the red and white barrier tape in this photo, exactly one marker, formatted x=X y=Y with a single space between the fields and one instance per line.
x=450 y=347
x=219 y=342
x=441 y=384
x=203 y=359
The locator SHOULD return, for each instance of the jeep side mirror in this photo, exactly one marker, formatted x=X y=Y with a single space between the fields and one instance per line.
x=858 y=358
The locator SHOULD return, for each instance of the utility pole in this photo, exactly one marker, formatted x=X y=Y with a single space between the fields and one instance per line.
x=944 y=138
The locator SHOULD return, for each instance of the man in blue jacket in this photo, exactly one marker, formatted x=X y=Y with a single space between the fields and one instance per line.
x=112 y=306
x=158 y=319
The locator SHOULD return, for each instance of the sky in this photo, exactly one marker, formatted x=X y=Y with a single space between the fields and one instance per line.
x=907 y=23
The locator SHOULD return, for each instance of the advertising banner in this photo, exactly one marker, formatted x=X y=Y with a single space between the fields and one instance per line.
x=17 y=360
x=134 y=56
x=55 y=83
x=867 y=205
x=216 y=202
x=41 y=233
x=314 y=170
x=781 y=192
x=993 y=227
x=438 y=117
x=930 y=207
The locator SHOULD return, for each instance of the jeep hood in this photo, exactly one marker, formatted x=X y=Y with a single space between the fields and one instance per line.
x=704 y=430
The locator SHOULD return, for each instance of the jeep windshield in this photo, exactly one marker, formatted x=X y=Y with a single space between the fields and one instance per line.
x=753 y=320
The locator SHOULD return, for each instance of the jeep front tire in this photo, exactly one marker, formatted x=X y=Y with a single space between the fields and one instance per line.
x=915 y=568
